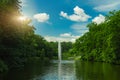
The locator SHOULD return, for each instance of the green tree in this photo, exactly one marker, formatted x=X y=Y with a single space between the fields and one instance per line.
x=102 y=42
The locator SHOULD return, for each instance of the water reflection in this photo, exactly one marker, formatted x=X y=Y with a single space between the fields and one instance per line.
x=63 y=70
x=66 y=70
x=59 y=71
x=97 y=71
x=29 y=72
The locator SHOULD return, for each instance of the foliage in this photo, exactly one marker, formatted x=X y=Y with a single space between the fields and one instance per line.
x=18 y=42
x=3 y=66
x=102 y=42
x=65 y=49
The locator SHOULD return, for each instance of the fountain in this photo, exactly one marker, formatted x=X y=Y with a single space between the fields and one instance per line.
x=59 y=51
x=59 y=59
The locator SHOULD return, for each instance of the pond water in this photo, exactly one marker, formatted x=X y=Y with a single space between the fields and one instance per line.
x=66 y=70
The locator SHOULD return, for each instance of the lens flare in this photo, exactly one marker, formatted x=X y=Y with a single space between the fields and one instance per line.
x=22 y=18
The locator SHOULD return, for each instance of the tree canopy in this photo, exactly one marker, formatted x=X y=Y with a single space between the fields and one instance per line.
x=102 y=42
x=18 y=41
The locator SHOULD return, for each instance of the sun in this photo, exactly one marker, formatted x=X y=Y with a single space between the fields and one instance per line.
x=22 y=18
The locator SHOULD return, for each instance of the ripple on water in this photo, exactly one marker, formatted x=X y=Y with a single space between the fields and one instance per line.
x=63 y=70
x=63 y=61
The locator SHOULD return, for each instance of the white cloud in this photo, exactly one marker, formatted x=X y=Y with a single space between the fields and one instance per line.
x=65 y=35
x=63 y=14
x=108 y=6
x=78 y=16
x=99 y=19
x=65 y=38
x=41 y=17
x=80 y=28
x=78 y=10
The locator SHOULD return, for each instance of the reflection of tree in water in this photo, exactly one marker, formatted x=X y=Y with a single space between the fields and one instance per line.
x=59 y=71
x=96 y=71
x=30 y=71
x=67 y=71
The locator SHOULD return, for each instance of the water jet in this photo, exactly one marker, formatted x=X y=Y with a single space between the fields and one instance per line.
x=59 y=51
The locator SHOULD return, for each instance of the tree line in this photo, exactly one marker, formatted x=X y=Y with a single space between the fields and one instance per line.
x=18 y=41
x=65 y=50
x=102 y=42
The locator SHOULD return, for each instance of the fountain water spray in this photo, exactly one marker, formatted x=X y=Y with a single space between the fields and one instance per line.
x=59 y=51
x=59 y=63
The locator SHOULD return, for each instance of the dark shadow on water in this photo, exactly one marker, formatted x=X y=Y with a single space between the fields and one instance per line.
x=97 y=71
x=65 y=70
x=27 y=73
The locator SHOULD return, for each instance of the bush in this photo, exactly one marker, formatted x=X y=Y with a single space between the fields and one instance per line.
x=3 y=66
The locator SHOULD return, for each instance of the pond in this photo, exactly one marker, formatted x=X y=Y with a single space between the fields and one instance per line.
x=66 y=70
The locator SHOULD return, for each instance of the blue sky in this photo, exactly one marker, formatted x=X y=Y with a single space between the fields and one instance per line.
x=66 y=20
